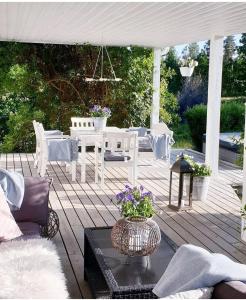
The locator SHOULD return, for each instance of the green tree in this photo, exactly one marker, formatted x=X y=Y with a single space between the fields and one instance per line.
x=240 y=68
x=21 y=137
x=229 y=73
x=172 y=63
x=229 y=49
x=206 y=48
x=192 y=50
x=51 y=79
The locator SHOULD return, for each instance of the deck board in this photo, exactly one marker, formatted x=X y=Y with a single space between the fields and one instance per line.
x=214 y=225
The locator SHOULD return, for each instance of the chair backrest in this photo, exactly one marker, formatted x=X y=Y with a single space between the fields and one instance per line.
x=161 y=128
x=120 y=141
x=84 y=123
x=34 y=123
x=39 y=130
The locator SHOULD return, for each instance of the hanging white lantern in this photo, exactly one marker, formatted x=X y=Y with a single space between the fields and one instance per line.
x=101 y=78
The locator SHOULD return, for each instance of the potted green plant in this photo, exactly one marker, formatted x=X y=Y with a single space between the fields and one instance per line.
x=136 y=234
x=201 y=179
x=187 y=66
x=100 y=115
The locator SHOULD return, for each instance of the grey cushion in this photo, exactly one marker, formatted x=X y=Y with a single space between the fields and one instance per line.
x=29 y=228
x=35 y=203
x=229 y=290
x=109 y=156
x=142 y=131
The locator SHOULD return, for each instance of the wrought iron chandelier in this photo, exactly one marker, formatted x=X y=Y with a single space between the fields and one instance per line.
x=101 y=78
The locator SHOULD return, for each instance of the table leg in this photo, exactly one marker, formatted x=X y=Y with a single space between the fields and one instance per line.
x=83 y=163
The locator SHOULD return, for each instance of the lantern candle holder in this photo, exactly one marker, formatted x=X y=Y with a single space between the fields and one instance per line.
x=185 y=172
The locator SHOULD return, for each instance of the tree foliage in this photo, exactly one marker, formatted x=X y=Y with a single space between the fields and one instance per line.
x=50 y=80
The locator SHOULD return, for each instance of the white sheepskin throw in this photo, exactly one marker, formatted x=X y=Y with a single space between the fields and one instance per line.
x=31 y=269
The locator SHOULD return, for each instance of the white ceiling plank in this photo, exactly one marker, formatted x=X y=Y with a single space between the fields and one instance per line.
x=147 y=24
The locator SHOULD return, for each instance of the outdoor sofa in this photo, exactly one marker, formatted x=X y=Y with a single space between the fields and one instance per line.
x=35 y=218
x=30 y=264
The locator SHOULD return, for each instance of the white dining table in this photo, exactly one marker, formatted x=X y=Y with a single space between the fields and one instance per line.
x=89 y=137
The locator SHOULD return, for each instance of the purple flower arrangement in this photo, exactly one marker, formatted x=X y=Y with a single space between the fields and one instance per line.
x=100 y=112
x=135 y=202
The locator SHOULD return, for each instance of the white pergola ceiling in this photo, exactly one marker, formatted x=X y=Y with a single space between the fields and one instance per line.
x=144 y=24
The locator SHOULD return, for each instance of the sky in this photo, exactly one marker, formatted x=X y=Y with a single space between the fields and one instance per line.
x=180 y=48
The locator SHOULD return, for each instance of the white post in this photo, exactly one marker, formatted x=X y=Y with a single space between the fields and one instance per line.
x=156 y=88
x=214 y=103
x=243 y=231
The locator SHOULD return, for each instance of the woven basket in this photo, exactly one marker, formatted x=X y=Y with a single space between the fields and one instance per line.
x=136 y=236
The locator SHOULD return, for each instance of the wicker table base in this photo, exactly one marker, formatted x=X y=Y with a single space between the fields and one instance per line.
x=114 y=275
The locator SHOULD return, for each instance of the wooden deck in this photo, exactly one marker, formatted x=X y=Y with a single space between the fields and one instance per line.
x=214 y=225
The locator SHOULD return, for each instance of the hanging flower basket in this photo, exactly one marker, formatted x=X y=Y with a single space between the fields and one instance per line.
x=187 y=66
x=186 y=71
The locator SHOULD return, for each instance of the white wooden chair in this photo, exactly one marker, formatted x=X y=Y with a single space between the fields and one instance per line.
x=44 y=150
x=162 y=128
x=117 y=150
x=37 y=153
x=84 y=141
x=48 y=133
x=83 y=123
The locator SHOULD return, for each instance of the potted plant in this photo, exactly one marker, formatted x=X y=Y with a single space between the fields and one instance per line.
x=187 y=66
x=100 y=115
x=136 y=234
x=201 y=179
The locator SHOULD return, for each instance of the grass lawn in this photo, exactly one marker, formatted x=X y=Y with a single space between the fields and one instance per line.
x=182 y=137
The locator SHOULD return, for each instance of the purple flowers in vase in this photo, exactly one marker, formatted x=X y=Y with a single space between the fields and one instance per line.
x=135 y=202
x=100 y=112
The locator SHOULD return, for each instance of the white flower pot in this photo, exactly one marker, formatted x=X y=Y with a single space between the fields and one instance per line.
x=200 y=188
x=186 y=71
x=100 y=123
x=243 y=229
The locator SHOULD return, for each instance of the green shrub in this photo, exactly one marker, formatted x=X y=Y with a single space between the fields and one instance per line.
x=9 y=103
x=182 y=136
x=196 y=119
x=232 y=119
x=21 y=136
x=232 y=116
x=169 y=109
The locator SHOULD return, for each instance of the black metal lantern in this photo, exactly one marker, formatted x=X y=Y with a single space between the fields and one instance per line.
x=185 y=171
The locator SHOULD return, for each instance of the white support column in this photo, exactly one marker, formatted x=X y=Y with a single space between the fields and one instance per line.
x=243 y=231
x=156 y=88
x=214 y=103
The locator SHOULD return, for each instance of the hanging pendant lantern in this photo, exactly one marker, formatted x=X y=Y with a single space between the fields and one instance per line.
x=103 y=79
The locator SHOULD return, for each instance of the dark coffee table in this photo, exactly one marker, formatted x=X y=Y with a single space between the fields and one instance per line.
x=113 y=275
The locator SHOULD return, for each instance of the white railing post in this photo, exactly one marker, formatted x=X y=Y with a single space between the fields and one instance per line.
x=214 y=103
x=156 y=88
x=243 y=231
